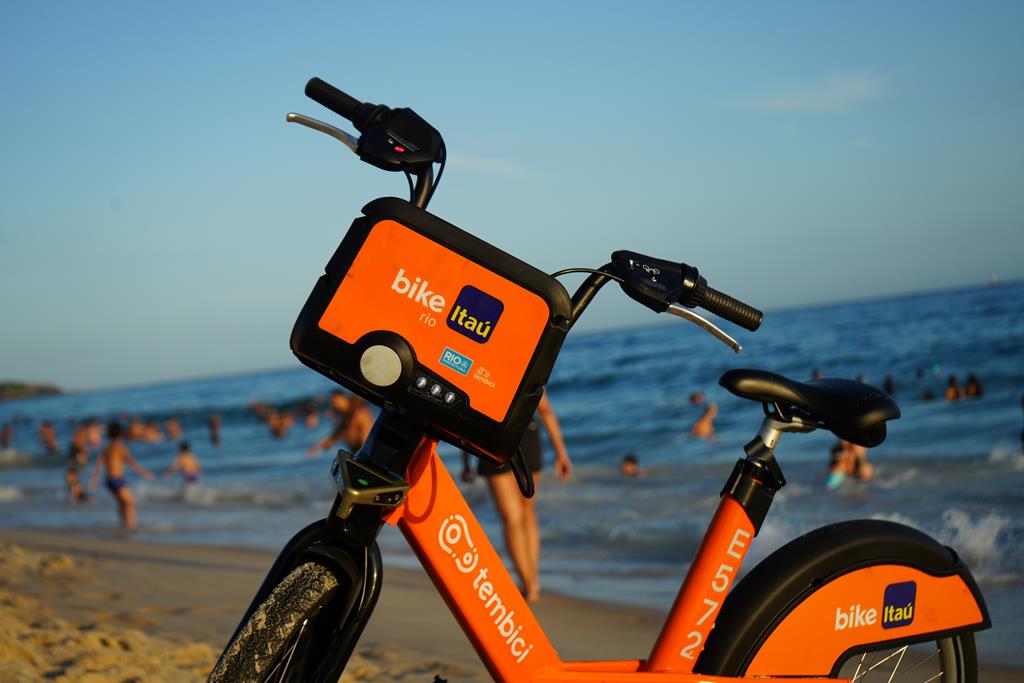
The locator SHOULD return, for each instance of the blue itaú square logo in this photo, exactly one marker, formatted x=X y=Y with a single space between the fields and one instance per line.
x=475 y=314
x=898 y=604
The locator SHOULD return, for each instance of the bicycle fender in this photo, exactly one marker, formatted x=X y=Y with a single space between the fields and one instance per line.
x=840 y=588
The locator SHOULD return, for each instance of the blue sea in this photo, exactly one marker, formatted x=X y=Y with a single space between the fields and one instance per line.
x=954 y=470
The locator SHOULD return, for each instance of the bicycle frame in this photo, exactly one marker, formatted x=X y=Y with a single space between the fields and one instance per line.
x=468 y=573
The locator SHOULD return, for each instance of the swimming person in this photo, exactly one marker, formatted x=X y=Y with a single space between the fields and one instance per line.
x=630 y=466
x=187 y=463
x=518 y=515
x=954 y=392
x=848 y=459
x=215 y=429
x=49 y=437
x=704 y=427
x=973 y=388
x=113 y=458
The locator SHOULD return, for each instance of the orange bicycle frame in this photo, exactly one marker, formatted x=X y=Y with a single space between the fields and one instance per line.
x=468 y=573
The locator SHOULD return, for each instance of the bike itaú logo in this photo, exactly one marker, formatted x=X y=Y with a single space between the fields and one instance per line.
x=418 y=290
x=475 y=314
x=898 y=604
x=455 y=532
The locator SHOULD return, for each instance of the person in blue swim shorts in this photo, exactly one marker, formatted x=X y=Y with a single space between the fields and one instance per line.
x=187 y=463
x=113 y=459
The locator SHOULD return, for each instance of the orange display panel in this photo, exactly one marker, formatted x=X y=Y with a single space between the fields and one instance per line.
x=870 y=605
x=464 y=322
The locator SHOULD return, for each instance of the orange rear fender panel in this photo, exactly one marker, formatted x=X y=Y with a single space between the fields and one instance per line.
x=871 y=605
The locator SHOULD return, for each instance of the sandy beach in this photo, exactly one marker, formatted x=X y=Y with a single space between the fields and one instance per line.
x=103 y=610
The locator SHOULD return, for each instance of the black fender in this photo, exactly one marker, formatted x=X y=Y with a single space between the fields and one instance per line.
x=772 y=589
x=359 y=570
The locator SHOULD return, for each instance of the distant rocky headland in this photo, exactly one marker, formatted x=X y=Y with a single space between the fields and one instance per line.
x=12 y=390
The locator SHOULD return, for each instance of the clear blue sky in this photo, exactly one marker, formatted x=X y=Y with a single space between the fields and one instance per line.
x=159 y=218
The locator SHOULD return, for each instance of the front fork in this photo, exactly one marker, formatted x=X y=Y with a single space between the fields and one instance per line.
x=345 y=541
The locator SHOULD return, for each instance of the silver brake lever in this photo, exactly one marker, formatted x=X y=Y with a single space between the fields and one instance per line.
x=348 y=140
x=706 y=325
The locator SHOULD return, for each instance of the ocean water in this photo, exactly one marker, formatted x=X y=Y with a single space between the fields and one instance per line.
x=954 y=470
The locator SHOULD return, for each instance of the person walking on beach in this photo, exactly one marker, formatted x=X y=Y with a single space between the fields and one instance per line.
x=188 y=464
x=113 y=458
x=353 y=421
x=6 y=434
x=518 y=515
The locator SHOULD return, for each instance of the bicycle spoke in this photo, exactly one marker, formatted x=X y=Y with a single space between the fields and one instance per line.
x=282 y=667
x=903 y=651
x=860 y=663
x=919 y=663
x=883 y=661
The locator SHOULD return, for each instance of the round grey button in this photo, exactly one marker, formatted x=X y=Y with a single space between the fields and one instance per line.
x=380 y=365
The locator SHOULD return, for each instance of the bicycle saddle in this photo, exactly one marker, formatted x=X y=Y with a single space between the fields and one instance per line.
x=851 y=410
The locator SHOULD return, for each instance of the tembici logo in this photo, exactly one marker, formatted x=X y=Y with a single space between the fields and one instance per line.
x=454 y=532
x=475 y=314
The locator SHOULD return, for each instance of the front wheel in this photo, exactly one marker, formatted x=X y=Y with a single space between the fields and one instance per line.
x=280 y=637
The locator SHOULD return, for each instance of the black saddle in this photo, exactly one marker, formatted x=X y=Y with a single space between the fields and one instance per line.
x=851 y=410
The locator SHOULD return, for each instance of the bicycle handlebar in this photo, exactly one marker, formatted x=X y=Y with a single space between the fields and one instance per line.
x=733 y=310
x=324 y=93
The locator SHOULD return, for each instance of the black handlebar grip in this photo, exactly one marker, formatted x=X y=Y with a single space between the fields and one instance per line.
x=326 y=94
x=733 y=310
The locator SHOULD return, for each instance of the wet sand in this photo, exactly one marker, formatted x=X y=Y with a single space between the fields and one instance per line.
x=101 y=610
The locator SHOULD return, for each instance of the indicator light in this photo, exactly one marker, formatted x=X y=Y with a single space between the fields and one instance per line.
x=399 y=149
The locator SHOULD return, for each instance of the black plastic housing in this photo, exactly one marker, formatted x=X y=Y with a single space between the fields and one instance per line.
x=458 y=423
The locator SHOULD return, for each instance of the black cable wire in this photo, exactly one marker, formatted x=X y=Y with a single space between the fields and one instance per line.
x=408 y=178
x=440 y=172
x=587 y=270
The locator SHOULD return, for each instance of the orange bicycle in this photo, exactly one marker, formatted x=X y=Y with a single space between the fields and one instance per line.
x=454 y=340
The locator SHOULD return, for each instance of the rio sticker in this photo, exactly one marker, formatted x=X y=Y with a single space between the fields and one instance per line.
x=456 y=361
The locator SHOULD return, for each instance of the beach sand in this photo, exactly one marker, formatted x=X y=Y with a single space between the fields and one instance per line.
x=97 y=610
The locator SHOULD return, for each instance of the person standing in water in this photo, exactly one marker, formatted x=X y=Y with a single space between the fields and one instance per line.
x=518 y=515
x=113 y=459
x=353 y=421
x=78 y=462
x=187 y=463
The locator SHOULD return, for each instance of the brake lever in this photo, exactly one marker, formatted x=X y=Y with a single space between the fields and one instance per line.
x=349 y=141
x=706 y=325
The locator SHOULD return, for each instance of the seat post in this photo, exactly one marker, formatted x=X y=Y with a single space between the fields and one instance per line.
x=773 y=425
